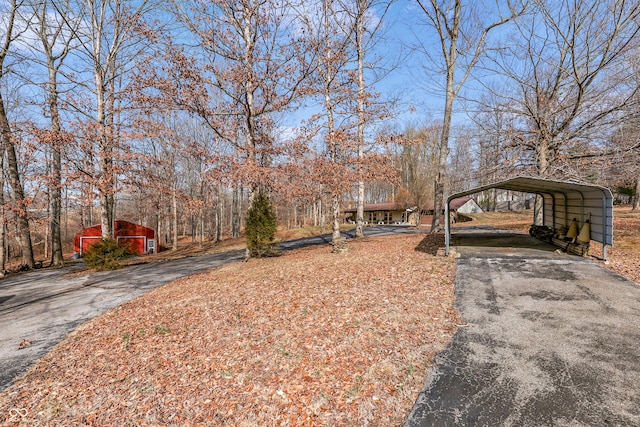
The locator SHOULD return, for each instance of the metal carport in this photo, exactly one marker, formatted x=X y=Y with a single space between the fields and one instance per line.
x=562 y=201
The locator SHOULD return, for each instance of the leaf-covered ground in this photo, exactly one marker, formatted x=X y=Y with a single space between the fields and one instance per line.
x=308 y=338
x=624 y=256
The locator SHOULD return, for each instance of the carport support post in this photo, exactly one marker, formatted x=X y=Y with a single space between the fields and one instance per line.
x=604 y=225
x=446 y=228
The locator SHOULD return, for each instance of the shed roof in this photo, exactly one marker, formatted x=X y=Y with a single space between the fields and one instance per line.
x=562 y=201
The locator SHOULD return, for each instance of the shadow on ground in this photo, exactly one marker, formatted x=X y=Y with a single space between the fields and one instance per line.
x=487 y=237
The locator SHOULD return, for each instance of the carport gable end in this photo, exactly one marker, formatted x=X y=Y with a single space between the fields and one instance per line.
x=562 y=201
x=141 y=239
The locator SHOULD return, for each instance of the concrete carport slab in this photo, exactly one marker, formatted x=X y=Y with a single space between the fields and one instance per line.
x=548 y=339
x=562 y=201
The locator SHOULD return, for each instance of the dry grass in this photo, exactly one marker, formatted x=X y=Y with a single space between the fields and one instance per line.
x=299 y=233
x=515 y=221
x=624 y=256
x=309 y=338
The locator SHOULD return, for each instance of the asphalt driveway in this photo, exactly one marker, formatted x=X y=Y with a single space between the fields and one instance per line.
x=43 y=306
x=550 y=340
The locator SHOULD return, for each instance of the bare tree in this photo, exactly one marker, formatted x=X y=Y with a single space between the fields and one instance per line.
x=462 y=36
x=112 y=39
x=3 y=219
x=461 y=164
x=365 y=22
x=248 y=63
x=416 y=158
x=55 y=42
x=567 y=80
x=11 y=31
x=329 y=53
x=495 y=159
x=617 y=162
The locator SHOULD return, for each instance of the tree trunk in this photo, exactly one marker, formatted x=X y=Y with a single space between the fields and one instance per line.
x=55 y=188
x=443 y=154
x=105 y=137
x=322 y=216
x=331 y=131
x=174 y=218
x=295 y=216
x=360 y=210
x=443 y=147
x=201 y=240
x=105 y=185
x=106 y=214
x=47 y=231
x=235 y=212
x=219 y=211
x=360 y=117
x=636 y=199
x=57 y=258
x=335 y=217
x=316 y=214
x=194 y=228
x=203 y=200
x=3 y=220
x=24 y=232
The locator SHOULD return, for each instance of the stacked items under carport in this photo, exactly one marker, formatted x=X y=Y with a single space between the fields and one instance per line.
x=567 y=239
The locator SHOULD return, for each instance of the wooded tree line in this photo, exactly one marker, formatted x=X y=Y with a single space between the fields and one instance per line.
x=176 y=114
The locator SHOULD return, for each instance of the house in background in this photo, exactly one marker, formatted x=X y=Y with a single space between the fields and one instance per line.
x=463 y=205
x=503 y=200
x=384 y=213
x=141 y=240
x=394 y=213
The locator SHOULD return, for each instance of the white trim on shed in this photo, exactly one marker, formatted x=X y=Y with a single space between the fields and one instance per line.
x=562 y=201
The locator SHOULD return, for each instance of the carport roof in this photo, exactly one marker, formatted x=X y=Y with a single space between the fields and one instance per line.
x=561 y=200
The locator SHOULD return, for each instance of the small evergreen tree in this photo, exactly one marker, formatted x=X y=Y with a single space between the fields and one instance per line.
x=260 y=229
x=107 y=254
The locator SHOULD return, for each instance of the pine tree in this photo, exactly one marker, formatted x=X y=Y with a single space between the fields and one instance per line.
x=260 y=228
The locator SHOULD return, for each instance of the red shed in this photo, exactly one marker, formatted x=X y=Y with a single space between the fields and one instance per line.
x=141 y=239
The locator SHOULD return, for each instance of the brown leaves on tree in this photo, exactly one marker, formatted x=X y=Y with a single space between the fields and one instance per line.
x=309 y=338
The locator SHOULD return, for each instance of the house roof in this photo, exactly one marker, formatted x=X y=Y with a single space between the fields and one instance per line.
x=454 y=205
x=377 y=207
x=121 y=228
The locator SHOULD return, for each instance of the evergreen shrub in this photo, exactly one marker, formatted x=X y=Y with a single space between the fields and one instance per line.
x=260 y=228
x=106 y=254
